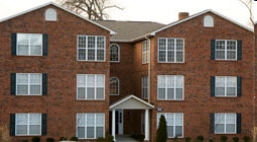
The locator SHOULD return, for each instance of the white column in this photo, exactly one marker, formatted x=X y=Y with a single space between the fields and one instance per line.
x=113 y=125
x=147 y=130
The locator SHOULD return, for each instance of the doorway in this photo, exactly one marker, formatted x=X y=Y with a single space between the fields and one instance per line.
x=119 y=122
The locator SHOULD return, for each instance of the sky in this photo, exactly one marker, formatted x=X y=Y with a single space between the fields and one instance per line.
x=162 y=11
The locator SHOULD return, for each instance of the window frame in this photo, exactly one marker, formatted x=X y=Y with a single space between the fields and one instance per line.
x=146 y=51
x=208 y=21
x=86 y=86
x=50 y=14
x=117 y=87
x=145 y=86
x=226 y=50
x=225 y=123
x=95 y=48
x=29 y=84
x=85 y=126
x=175 y=50
x=175 y=81
x=118 y=48
x=173 y=116
x=27 y=125
x=226 y=83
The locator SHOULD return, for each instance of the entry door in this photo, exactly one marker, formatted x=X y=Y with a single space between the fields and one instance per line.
x=120 y=122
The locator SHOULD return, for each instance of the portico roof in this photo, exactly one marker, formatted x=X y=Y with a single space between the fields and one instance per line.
x=131 y=102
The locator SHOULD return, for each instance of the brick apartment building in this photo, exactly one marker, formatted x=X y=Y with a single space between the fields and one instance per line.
x=64 y=75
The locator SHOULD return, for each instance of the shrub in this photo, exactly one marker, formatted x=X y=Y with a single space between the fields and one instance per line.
x=246 y=139
x=108 y=138
x=199 y=138
x=25 y=140
x=162 y=130
x=223 y=138
x=188 y=139
x=35 y=139
x=50 y=139
x=62 y=139
x=235 y=139
x=74 y=138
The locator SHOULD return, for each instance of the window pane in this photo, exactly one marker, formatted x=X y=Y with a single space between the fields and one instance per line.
x=82 y=54
x=81 y=119
x=81 y=132
x=21 y=119
x=161 y=93
x=231 y=128
x=231 y=91
x=90 y=93
x=170 y=131
x=82 y=40
x=91 y=54
x=180 y=56
x=219 y=91
x=171 y=56
x=178 y=131
x=23 y=50
x=21 y=130
x=162 y=56
x=100 y=55
x=35 y=119
x=81 y=93
x=220 y=55
x=179 y=93
x=90 y=132
x=99 y=93
x=231 y=55
x=35 y=89
x=99 y=132
x=34 y=129
x=170 y=94
x=22 y=89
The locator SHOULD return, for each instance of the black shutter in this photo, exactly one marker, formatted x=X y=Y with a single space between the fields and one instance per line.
x=44 y=84
x=13 y=84
x=213 y=49
x=212 y=86
x=12 y=124
x=44 y=124
x=239 y=86
x=239 y=50
x=238 y=121
x=45 y=44
x=212 y=121
x=14 y=43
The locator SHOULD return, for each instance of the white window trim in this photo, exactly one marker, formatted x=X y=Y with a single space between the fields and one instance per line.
x=95 y=86
x=29 y=83
x=171 y=62
x=226 y=50
x=29 y=46
x=174 y=120
x=95 y=125
x=208 y=21
x=117 y=86
x=50 y=14
x=147 y=52
x=183 y=89
x=28 y=116
x=226 y=78
x=118 y=53
x=235 y=115
x=86 y=60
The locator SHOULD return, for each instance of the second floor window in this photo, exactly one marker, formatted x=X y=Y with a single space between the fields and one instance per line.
x=145 y=52
x=171 y=50
x=24 y=44
x=114 y=86
x=145 y=87
x=170 y=87
x=90 y=86
x=226 y=49
x=114 y=53
x=90 y=48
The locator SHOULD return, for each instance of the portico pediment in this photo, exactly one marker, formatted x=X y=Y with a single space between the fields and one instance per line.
x=131 y=102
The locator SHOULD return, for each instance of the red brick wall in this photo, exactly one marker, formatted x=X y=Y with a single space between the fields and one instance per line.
x=198 y=69
x=60 y=64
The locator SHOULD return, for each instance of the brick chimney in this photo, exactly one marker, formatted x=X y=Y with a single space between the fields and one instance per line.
x=182 y=15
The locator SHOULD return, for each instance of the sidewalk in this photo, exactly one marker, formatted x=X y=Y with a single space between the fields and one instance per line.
x=124 y=138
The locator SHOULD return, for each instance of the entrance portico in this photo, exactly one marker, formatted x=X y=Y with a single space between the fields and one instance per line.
x=132 y=102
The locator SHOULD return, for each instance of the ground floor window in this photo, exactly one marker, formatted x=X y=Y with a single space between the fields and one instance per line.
x=174 y=124
x=90 y=125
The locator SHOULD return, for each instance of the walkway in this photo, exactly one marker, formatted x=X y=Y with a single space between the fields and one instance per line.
x=124 y=138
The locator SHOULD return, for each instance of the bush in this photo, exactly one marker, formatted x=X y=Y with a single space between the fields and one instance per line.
x=62 y=139
x=25 y=140
x=50 y=139
x=188 y=139
x=162 y=130
x=35 y=139
x=223 y=138
x=199 y=138
x=235 y=139
x=246 y=139
x=74 y=138
x=108 y=138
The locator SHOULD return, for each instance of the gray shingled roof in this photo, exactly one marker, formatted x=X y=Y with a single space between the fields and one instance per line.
x=129 y=31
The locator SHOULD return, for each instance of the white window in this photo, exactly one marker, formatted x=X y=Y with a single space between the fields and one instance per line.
x=225 y=49
x=174 y=122
x=226 y=86
x=208 y=21
x=114 y=53
x=90 y=86
x=145 y=51
x=50 y=14
x=145 y=87
x=91 y=48
x=170 y=87
x=27 y=124
x=29 y=44
x=28 y=84
x=90 y=125
x=171 y=50
x=225 y=123
x=114 y=86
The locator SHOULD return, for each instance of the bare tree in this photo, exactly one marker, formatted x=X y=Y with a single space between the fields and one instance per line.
x=92 y=9
x=249 y=5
